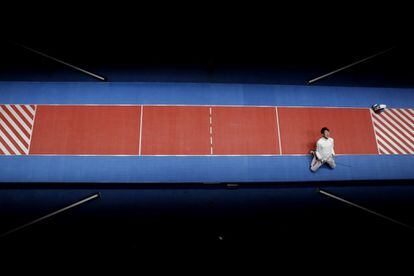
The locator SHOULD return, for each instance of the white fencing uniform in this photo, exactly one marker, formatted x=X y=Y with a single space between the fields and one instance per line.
x=324 y=154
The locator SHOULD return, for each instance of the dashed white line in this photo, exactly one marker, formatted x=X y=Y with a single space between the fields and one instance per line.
x=211 y=131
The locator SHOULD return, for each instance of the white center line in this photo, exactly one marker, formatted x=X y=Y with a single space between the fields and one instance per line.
x=278 y=131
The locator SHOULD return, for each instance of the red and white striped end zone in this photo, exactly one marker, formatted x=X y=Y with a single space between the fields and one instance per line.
x=16 y=125
x=394 y=131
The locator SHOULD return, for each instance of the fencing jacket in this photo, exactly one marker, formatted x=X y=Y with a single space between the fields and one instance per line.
x=325 y=148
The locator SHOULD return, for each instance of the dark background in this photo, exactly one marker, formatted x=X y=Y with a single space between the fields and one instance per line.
x=214 y=44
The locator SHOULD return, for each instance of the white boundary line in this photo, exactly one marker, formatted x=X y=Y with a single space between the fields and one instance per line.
x=31 y=132
x=201 y=105
x=198 y=155
x=373 y=129
x=140 y=130
x=278 y=131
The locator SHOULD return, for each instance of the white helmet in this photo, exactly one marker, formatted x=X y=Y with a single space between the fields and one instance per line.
x=378 y=108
